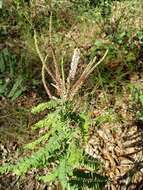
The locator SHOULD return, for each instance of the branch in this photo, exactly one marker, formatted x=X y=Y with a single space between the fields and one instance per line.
x=44 y=82
x=44 y=66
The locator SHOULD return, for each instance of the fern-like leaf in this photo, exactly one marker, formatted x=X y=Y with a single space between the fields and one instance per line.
x=87 y=179
x=62 y=173
x=48 y=121
x=46 y=105
x=37 y=142
x=90 y=162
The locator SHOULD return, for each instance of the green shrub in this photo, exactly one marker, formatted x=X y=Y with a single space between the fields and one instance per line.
x=60 y=149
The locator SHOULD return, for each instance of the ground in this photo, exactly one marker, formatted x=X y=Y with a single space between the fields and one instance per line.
x=115 y=139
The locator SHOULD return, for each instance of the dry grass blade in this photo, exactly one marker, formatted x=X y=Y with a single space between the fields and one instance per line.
x=98 y=63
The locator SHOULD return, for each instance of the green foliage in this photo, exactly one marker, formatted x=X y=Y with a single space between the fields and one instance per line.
x=137 y=103
x=60 y=148
x=121 y=32
x=47 y=105
x=87 y=179
x=31 y=15
x=117 y=25
x=13 y=75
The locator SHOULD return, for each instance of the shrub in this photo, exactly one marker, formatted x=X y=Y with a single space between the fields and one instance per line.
x=61 y=148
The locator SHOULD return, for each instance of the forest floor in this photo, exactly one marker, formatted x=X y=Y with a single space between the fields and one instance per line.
x=116 y=139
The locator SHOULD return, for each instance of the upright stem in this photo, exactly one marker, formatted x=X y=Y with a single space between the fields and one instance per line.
x=44 y=82
x=57 y=71
x=88 y=70
x=43 y=66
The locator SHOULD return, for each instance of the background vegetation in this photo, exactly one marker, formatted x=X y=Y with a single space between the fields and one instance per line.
x=82 y=61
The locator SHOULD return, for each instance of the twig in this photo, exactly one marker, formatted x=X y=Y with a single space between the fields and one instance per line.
x=57 y=72
x=98 y=63
x=41 y=57
x=44 y=82
x=43 y=66
x=64 y=90
x=47 y=69
x=82 y=78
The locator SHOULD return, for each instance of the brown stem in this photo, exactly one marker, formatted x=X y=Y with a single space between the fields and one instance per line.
x=88 y=70
x=57 y=71
x=43 y=66
x=48 y=70
x=44 y=82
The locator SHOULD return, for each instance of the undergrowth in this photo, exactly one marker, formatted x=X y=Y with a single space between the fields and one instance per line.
x=61 y=148
x=14 y=75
